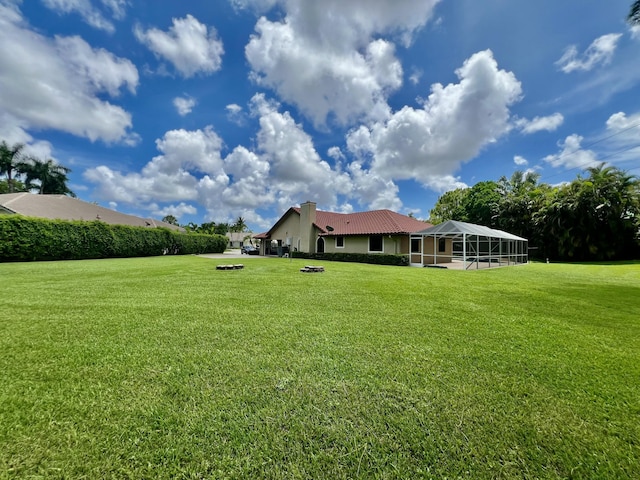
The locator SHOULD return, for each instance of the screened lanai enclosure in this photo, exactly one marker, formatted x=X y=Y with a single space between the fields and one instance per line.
x=465 y=246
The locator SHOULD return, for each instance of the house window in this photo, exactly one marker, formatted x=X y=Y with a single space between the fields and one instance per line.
x=442 y=245
x=376 y=243
x=339 y=242
x=415 y=245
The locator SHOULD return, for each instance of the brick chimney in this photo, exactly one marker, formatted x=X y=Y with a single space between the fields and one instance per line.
x=307 y=230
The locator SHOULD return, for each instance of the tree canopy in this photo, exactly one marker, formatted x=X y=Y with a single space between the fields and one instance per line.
x=10 y=161
x=170 y=219
x=634 y=13
x=594 y=217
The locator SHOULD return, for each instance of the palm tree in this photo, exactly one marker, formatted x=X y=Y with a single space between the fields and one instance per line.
x=521 y=197
x=51 y=177
x=239 y=226
x=10 y=161
x=634 y=14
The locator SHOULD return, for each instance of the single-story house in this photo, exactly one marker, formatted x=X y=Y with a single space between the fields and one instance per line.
x=465 y=246
x=62 y=207
x=237 y=239
x=306 y=229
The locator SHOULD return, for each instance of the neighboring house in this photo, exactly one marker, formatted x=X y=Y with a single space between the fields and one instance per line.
x=62 y=207
x=236 y=239
x=306 y=229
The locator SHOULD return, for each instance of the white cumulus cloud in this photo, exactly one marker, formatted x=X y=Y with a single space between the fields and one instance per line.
x=90 y=14
x=373 y=190
x=572 y=155
x=520 y=161
x=187 y=159
x=184 y=105
x=297 y=169
x=320 y=81
x=622 y=142
x=600 y=51
x=189 y=45
x=176 y=210
x=68 y=97
x=548 y=123
x=329 y=58
x=117 y=7
x=102 y=69
x=235 y=114
x=428 y=144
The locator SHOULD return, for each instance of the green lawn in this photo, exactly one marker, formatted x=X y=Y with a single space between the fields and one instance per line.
x=166 y=368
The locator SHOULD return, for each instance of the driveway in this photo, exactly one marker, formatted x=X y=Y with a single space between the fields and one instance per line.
x=230 y=254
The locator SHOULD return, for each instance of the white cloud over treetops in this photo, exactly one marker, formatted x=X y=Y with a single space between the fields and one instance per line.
x=188 y=158
x=600 y=51
x=617 y=144
x=456 y=121
x=284 y=168
x=69 y=97
x=189 y=45
x=572 y=155
x=520 y=161
x=622 y=144
x=176 y=210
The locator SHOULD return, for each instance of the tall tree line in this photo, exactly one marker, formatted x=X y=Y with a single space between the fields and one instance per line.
x=210 y=228
x=24 y=173
x=594 y=217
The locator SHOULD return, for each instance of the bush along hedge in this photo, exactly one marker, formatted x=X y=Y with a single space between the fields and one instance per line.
x=375 y=258
x=27 y=239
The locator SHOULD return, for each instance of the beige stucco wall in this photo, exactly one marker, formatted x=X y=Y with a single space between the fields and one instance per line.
x=290 y=227
x=360 y=244
x=427 y=256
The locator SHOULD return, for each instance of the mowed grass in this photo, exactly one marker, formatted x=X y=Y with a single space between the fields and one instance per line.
x=167 y=368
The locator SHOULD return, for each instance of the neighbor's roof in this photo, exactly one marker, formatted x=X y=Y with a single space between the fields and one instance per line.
x=376 y=222
x=62 y=207
x=455 y=228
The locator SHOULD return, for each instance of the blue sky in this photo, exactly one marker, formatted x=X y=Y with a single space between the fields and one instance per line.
x=212 y=110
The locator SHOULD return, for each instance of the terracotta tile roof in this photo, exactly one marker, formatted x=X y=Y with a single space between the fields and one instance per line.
x=62 y=207
x=376 y=222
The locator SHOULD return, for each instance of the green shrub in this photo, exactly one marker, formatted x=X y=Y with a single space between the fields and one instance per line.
x=27 y=239
x=375 y=258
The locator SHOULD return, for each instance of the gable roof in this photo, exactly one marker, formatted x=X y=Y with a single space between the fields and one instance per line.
x=62 y=207
x=375 y=222
x=455 y=228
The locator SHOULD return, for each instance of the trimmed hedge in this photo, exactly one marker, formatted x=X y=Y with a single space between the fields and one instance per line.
x=29 y=239
x=375 y=258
